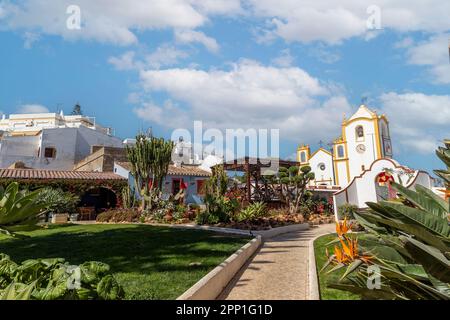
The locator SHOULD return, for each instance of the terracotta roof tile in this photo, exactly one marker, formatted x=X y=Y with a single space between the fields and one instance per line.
x=55 y=174
x=175 y=171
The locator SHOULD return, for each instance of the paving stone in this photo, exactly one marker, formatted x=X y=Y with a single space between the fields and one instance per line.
x=278 y=271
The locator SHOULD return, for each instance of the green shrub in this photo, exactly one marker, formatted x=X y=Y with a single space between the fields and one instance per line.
x=58 y=201
x=119 y=215
x=347 y=211
x=55 y=279
x=253 y=211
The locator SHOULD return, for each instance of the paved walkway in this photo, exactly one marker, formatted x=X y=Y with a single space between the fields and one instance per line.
x=278 y=271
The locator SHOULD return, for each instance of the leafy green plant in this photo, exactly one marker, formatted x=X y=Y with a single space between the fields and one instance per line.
x=347 y=211
x=19 y=210
x=410 y=246
x=55 y=279
x=57 y=201
x=219 y=207
x=253 y=211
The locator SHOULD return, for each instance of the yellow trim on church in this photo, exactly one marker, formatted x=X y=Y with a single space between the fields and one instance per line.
x=378 y=138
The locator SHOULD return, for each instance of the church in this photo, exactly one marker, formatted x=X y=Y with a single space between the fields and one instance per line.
x=359 y=164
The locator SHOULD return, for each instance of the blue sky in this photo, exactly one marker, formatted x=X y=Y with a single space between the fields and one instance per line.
x=294 y=65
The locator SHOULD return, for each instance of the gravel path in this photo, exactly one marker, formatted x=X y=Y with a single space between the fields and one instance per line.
x=278 y=271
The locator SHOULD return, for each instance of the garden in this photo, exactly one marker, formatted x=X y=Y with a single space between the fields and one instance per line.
x=125 y=255
x=403 y=252
x=224 y=205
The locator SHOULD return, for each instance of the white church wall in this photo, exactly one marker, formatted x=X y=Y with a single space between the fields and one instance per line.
x=321 y=164
x=422 y=178
x=362 y=189
x=342 y=178
x=359 y=159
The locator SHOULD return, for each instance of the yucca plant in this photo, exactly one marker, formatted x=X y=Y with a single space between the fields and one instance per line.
x=253 y=211
x=19 y=210
x=409 y=243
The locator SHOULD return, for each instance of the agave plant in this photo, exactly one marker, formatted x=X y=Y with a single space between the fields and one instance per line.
x=18 y=210
x=253 y=211
x=409 y=243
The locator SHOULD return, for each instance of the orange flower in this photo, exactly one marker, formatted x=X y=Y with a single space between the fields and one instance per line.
x=349 y=252
x=350 y=248
x=340 y=256
x=343 y=227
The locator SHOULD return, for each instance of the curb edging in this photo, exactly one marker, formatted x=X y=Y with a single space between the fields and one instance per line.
x=212 y=285
x=313 y=281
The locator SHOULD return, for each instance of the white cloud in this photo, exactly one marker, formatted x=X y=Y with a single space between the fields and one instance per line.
x=417 y=120
x=334 y=22
x=125 y=62
x=191 y=36
x=434 y=54
x=32 y=108
x=112 y=21
x=285 y=59
x=404 y=43
x=248 y=95
x=29 y=39
x=164 y=55
x=169 y=113
x=324 y=55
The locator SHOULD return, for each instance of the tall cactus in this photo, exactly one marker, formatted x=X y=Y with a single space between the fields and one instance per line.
x=150 y=158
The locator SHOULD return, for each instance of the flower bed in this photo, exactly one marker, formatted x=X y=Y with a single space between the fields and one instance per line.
x=265 y=223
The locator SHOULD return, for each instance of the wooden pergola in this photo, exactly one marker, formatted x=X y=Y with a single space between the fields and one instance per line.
x=255 y=187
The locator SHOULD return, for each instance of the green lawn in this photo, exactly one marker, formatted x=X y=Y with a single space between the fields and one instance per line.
x=321 y=258
x=149 y=262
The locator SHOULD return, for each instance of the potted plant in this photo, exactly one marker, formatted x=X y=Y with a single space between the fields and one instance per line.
x=59 y=204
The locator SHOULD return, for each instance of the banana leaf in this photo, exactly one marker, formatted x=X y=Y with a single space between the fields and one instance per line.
x=432 y=260
x=425 y=199
x=434 y=224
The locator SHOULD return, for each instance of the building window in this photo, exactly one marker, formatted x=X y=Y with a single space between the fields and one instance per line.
x=302 y=157
x=359 y=132
x=321 y=166
x=340 y=151
x=50 y=153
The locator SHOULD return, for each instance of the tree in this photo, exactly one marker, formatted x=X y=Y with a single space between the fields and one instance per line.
x=291 y=185
x=76 y=111
x=150 y=158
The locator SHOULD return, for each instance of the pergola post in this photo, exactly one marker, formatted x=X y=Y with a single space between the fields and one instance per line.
x=248 y=176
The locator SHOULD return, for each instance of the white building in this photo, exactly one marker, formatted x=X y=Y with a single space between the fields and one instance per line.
x=357 y=160
x=50 y=140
